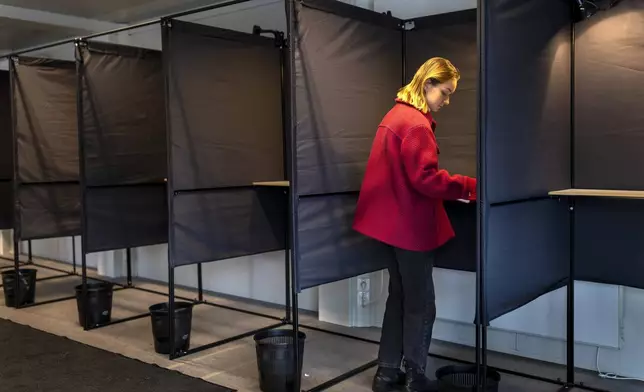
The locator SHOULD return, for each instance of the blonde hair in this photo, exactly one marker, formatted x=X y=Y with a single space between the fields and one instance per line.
x=435 y=70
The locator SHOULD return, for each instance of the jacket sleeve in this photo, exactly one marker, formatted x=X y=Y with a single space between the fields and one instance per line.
x=420 y=160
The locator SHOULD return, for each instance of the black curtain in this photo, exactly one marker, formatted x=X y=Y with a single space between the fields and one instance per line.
x=330 y=250
x=453 y=36
x=125 y=217
x=526 y=140
x=49 y=211
x=227 y=223
x=225 y=134
x=609 y=135
x=6 y=205
x=225 y=107
x=527 y=253
x=6 y=154
x=46 y=134
x=348 y=69
x=123 y=135
x=528 y=78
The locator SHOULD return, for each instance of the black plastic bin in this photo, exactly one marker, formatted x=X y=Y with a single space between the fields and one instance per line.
x=161 y=328
x=463 y=379
x=275 y=359
x=26 y=287
x=99 y=303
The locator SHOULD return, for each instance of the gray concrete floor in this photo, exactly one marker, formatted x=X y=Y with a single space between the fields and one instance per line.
x=234 y=365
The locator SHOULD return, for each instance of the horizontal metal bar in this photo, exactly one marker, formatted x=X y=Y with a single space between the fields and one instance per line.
x=164 y=294
x=51 y=301
x=343 y=377
x=11 y=260
x=313 y=195
x=204 y=9
x=518 y=201
x=68 y=275
x=51 y=268
x=340 y=334
x=250 y=312
x=124 y=28
x=226 y=341
x=213 y=189
x=132 y=185
x=49 y=183
x=137 y=317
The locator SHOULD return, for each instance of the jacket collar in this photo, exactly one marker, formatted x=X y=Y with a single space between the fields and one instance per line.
x=427 y=115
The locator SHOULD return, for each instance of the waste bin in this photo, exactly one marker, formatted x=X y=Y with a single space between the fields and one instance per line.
x=463 y=379
x=99 y=303
x=275 y=364
x=161 y=328
x=26 y=287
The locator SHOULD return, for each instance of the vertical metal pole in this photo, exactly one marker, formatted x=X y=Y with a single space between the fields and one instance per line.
x=200 y=283
x=287 y=265
x=16 y=278
x=30 y=255
x=81 y=150
x=481 y=317
x=74 y=254
x=286 y=157
x=570 y=311
x=166 y=26
x=17 y=231
x=128 y=256
x=570 y=315
x=293 y=195
x=171 y=312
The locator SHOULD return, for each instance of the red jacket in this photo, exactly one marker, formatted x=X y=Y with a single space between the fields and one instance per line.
x=401 y=199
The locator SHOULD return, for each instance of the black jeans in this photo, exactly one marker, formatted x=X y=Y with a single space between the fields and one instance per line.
x=411 y=310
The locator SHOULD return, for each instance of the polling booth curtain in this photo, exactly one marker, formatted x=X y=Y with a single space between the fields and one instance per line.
x=226 y=132
x=123 y=134
x=6 y=154
x=123 y=101
x=526 y=150
x=609 y=138
x=453 y=36
x=44 y=95
x=46 y=138
x=348 y=68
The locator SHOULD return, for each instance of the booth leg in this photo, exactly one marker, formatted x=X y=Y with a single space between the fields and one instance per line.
x=74 y=254
x=570 y=311
x=128 y=256
x=200 y=281
x=84 y=300
x=173 y=354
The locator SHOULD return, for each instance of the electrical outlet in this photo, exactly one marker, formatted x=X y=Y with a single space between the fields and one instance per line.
x=364 y=284
x=363 y=299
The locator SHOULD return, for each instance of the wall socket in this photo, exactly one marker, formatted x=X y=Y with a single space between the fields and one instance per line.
x=363 y=298
x=364 y=287
x=364 y=284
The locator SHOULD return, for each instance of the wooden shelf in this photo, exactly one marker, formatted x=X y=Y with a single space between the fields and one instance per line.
x=283 y=184
x=609 y=193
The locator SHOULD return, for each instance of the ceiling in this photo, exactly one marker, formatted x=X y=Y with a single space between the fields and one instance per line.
x=16 y=33
x=119 y=11
x=27 y=23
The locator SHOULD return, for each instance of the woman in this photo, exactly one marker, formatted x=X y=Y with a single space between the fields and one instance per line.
x=401 y=205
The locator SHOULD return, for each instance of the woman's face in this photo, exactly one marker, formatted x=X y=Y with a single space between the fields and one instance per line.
x=437 y=95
